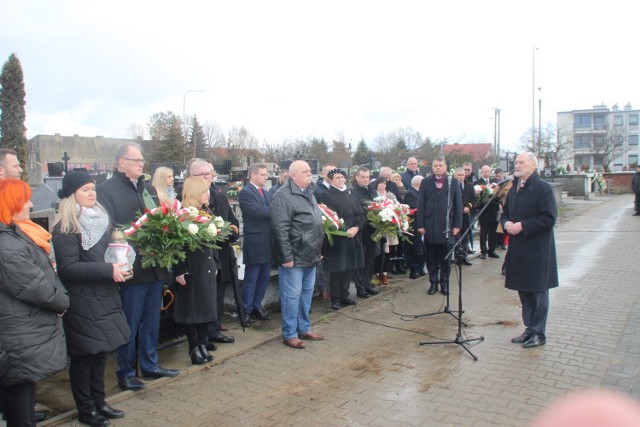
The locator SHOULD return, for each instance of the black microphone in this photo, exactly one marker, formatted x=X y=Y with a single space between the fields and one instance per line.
x=504 y=180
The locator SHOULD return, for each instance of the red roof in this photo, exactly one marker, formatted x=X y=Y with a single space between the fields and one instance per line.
x=478 y=152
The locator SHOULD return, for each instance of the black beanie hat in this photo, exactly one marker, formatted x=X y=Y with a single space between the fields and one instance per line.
x=74 y=180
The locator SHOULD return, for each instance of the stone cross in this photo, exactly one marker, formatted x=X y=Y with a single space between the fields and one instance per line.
x=65 y=158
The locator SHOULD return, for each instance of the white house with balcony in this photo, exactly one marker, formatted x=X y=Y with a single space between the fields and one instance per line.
x=599 y=137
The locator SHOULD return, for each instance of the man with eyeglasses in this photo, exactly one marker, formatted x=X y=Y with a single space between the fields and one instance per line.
x=219 y=205
x=122 y=197
x=254 y=203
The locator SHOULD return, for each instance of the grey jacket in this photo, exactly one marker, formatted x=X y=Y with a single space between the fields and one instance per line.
x=296 y=225
x=31 y=297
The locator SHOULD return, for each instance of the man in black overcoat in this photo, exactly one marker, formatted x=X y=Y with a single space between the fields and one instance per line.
x=529 y=215
x=488 y=219
x=439 y=198
x=415 y=251
x=362 y=279
x=468 y=203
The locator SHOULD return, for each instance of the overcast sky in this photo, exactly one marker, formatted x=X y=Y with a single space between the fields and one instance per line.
x=329 y=69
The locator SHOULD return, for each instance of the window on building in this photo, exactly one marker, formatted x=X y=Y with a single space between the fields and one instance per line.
x=583 y=121
x=582 y=141
x=633 y=160
x=633 y=119
x=582 y=162
x=598 y=122
x=618 y=120
x=598 y=141
x=598 y=159
x=633 y=140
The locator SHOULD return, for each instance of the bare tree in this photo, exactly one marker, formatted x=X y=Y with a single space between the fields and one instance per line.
x=214 y=134
x=609 y=146
x=136 y=130
x=553 y=144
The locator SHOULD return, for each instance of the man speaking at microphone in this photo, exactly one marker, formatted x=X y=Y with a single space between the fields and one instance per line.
x=529 y=215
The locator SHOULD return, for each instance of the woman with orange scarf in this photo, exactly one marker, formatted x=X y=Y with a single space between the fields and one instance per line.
x=32 y=302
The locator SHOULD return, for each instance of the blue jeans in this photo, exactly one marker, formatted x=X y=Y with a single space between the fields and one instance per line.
x=141 y=303
x=254 y=286
x=296 y=291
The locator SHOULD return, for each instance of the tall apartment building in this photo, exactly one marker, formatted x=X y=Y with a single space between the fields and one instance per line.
x=600 y=136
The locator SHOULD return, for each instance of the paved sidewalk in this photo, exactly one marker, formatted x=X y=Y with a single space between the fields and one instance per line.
x=372 y=371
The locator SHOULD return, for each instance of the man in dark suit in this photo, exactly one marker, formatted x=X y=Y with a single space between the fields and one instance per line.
x=439 y=220
x=219 y=205
x=529 y=215
x=256 y=245
x=468 y=202
x=410 y=172
x=415 y=251
x=489 y=218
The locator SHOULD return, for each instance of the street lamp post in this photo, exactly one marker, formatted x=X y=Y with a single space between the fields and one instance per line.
x=184 y=117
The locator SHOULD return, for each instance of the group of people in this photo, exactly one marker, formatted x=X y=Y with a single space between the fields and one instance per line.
x=90 y=307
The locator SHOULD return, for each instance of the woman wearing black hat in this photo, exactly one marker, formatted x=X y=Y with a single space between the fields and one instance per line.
x=94 y=324
x=346 y=255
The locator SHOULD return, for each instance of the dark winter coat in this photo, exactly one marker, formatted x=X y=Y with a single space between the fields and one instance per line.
x=256 y=223
x=417 y=246
x=432 y=209
x=219 y=206
x=346 y=253
x=31 y=300
x=490 y=214
x=296 y=226
x=531 y=264
x=635 y=183
x=364 y=195
x=196 y=301
x=468 y=201
x=94 y=322
x=407 y=176
x=124 y=203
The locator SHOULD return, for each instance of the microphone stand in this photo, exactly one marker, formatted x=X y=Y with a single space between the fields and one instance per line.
x=459 y=340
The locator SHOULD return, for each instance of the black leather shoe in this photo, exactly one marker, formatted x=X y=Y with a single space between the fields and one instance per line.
x=246 y=321
x=196 y=356
x=160 y=372
x=414 y=275
x=205 y=353
x=522 y=337
x=363 y=295
x=394 y=269
x=94 y=419
x=210 y=346
x=466 y=261
x=108 y=412
x=483 y=256
x=422 y=273
x=38 y=417
x=444 y=289
x=493 y=255
x=130 y=383
x=336 y=306
x=503 y=247
x=534 y=341
x=222 y=339
x=401 y=270
x=348 y=301
x=372 y=291
x=261 y=314
x=433 y=289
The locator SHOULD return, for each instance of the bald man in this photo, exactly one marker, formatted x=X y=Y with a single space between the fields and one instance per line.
x=296 y=224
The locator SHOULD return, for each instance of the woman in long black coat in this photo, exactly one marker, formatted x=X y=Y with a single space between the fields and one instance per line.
x=346 y=254
x=195 y=306
x=32 y=299
x=95 y=323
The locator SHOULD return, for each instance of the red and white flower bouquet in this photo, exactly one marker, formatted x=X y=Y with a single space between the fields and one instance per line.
x=391 y=218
